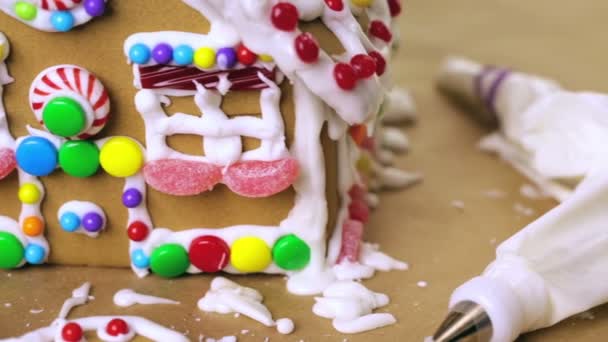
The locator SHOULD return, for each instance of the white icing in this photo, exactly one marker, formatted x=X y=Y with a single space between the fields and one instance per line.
x=350 y=305
x=81 y=208
x=225 y=296
x=394 y=139
x=127 y=297
x=531 y=192
x=80 y=296
x=399 y=107
x=393 y=178
x=547 y=271
x=42 y=21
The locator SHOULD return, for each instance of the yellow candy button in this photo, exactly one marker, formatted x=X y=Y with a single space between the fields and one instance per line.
x=362 y=3
x=266 y=58
x=250 y=254
x=364 y=165
x=121 y=157
x=29 y=194
x=204 y=58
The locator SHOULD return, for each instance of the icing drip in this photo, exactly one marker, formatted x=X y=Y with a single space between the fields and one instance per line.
x=399 y=107
x=226 y=297
x=80 y=296
x=128 y=297
x=350 y=305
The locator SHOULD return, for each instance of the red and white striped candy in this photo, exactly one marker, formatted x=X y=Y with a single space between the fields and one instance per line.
x=77 y=83
x=58 y=5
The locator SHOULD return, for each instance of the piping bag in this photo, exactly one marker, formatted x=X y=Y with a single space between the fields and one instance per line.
x=550 y=134
x=554 y=268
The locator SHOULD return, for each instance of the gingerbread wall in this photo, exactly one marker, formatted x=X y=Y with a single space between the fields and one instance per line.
x=97 y=47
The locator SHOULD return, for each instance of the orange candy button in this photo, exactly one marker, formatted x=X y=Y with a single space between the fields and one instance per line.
x=33 y=226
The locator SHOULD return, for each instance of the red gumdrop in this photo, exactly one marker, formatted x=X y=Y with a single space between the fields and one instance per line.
x=336 y=5
x=307 y=47
x=345 y=76
x=395 y=7
x=245 y=56
x=359 y=210
x=284 y=16
x=379 y=30
x=364 y=65
x=117 y=327
x=209 y=253
x=182 y=177
x=352 y=234
x=357 y=192
x=358 y=133
x=7 y=162
x=137 y=231
x=380 y=62
x=261 y=178
x=71 y=332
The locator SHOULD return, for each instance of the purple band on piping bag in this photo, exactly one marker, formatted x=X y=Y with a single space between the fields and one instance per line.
x=490 y=98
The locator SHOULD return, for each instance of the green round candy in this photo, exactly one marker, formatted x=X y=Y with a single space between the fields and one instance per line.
x=291 y=253
x=25 y=10
x=169 y=260
x=11 y=251
x=64 y=116
x=79 y=158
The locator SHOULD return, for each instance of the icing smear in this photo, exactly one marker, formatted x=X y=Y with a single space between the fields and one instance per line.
x=350 y=305
x=80 y=296
x=226 y=296
x=128 y=297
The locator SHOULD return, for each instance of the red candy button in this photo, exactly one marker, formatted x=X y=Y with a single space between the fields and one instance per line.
x=380 y=62
x=284 y=16
x=137 y=231
x=245 y=56
x=209 y=253
x=379 y=30
x=336 y=5
x=117 y=327
x=307 y=47
x=71 y=332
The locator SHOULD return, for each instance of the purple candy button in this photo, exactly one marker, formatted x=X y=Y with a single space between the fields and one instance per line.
x=162 y=53
x=131 y=198
x=95 y=8
x=92 y=222
x=226 y=57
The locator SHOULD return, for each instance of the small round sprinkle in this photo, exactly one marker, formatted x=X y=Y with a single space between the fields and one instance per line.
x=29 y=193
x=139 y=54
x=345 y=76
x=226 y=58
x=139 y=259
x=95 y=8
x=34 y=254
x=62 y=21
x=33 y=226
x=72 y=332
x=137 y=231
x=307 y=47
x=25 y=10
x=284 y=16
x=69 y=221
x=132 y=198
x=162 y=53
x=183 y=55
x=204 y=58
x=92 y=222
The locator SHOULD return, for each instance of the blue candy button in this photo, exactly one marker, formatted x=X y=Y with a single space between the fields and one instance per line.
x=69 y=221
x=34 y=254
x=139 y=259
x=183 y=55
x=37 y=156
x=62 y=21
x=139 y=54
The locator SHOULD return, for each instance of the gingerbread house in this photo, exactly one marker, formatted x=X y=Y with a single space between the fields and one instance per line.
x=244 y=143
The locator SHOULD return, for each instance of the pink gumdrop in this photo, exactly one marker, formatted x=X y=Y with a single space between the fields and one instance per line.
x=7 y=162
x=358 y=210
x=352 y=234
x=357 y=192
x=261 y=178
x=181 y=177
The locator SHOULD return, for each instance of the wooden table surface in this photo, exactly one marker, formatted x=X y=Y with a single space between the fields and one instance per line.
x=444 y=245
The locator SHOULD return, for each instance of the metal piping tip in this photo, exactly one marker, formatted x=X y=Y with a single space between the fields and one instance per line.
x=467 y=321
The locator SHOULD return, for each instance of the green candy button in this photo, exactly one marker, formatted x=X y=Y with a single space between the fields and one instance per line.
x=25 y=10
x=11 y=251
x=291 y=253
x=79 y=158
x=64 y=116
x=169 y=260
